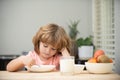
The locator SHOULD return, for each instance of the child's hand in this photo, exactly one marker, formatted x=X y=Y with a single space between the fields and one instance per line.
x=65 y=52
x=27 y=61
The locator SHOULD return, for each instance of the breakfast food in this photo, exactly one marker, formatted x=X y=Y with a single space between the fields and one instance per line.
x=92 y=60
x=98 y=53
x=103 y=59
x=100 y=57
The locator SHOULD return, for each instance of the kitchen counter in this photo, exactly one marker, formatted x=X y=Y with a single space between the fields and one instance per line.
x=25 y=75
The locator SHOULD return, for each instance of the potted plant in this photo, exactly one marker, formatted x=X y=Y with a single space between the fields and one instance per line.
x=85 y=47
x=81 y=48
x=73 y=34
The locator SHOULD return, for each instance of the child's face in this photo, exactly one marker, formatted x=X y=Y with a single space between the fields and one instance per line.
x=46 y=50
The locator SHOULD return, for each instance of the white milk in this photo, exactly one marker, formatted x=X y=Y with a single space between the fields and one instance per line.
x=67 y=65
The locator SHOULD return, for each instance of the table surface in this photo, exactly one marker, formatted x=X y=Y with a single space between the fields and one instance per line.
x=25 y=75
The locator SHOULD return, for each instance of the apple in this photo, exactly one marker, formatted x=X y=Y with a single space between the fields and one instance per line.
x=98 y=53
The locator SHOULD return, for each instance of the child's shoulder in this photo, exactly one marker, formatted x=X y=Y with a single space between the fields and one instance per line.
x=32 y=53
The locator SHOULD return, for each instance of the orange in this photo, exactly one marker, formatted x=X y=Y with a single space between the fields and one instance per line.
x=98 y=53
x=92 y=60
x=111 y=60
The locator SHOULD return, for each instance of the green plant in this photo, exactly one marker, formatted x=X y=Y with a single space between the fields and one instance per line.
x=73 y=34
x=85 y=41
x=73 y=29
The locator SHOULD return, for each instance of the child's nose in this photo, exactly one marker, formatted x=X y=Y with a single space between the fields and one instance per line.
x=47 y=50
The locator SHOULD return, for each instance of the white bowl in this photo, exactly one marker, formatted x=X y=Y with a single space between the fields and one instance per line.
x=99 y=67
x=78 y=68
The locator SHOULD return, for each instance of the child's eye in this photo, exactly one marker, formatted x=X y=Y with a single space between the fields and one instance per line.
x=54 y=49
x=45 y=45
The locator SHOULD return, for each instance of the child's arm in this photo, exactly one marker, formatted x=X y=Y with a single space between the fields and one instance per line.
x=19 y=63
x=65 y=52
x=15 y=64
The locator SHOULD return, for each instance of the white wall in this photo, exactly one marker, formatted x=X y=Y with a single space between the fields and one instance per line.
x=20 y=19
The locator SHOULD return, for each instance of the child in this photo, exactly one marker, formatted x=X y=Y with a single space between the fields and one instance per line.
x=50 y=43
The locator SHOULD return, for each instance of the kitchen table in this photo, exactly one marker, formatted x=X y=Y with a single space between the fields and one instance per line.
x=25 y=75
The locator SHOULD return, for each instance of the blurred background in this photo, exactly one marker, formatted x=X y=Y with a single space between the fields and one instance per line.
x=20 y=20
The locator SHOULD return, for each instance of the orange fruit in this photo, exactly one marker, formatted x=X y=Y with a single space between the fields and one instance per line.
x=111 y=60
x=92 y=60
x=98 y=53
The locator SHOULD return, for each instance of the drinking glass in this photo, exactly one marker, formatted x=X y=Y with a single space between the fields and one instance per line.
x=67 y=65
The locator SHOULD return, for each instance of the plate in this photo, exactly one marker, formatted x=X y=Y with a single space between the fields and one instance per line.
x=41 y=68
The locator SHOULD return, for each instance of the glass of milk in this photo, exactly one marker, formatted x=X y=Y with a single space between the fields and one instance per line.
x=67 y=65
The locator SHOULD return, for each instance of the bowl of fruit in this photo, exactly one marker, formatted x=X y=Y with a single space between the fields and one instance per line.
x=99 y=63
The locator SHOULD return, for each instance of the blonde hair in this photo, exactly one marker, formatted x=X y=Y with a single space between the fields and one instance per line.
x=51 y=34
